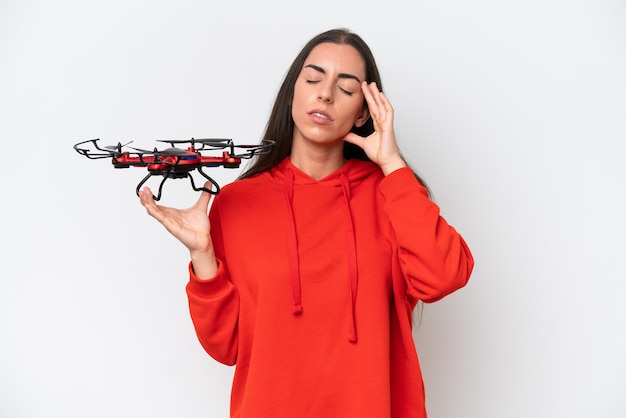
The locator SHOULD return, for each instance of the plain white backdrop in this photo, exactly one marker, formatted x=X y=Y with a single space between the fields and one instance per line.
x=514 y=111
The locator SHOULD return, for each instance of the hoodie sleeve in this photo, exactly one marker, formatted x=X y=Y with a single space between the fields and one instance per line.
x=214 y=305
x=434 y=258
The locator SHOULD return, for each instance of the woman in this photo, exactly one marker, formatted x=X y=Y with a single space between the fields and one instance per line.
x=307 y=269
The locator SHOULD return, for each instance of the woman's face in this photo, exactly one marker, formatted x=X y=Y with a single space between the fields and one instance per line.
x=328 y=100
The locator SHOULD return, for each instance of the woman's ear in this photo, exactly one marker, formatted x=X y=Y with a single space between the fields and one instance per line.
x=363 y=117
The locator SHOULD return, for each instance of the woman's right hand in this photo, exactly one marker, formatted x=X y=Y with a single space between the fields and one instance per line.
x=190 y=226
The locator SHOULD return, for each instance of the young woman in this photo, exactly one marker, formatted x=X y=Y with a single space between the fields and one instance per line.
x=307 y=269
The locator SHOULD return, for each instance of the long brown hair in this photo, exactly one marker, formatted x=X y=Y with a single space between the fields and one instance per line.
x=280 y=126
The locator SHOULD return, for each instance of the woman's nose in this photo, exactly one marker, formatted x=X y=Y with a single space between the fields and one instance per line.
x=325 y=94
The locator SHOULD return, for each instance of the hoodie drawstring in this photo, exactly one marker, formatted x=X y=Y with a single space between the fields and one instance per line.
x=294 y=259
x=352 y=260
x=292 y=244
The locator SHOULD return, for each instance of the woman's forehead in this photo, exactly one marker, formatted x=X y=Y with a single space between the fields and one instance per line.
x=337 y=57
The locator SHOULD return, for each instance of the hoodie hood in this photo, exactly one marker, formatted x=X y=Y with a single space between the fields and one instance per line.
x=346 y=179
x=354 y=170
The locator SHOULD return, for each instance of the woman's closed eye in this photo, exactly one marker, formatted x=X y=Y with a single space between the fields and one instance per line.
x=346 y=91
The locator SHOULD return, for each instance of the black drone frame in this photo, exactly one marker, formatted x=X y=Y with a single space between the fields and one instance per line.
x=176 y=162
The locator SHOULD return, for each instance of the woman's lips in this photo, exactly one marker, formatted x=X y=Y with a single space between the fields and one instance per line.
x=320 y=117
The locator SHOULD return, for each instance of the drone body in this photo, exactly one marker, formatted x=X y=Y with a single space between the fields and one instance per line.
x=175 y=162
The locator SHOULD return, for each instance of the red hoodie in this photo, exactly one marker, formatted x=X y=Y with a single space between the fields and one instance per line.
x=316 y=284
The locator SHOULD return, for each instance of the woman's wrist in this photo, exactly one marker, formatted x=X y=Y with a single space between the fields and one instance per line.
x=204 y=264
x=393 y=165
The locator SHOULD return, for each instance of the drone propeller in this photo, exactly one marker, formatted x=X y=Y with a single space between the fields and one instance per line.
x=105 y=151
x=213 y=142
x=263 y=148
x=117 y=148
x=166 y=152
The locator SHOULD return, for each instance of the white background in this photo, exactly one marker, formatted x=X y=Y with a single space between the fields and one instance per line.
x=514 y=112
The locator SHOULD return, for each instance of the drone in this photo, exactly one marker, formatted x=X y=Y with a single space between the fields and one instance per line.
x=174 y=162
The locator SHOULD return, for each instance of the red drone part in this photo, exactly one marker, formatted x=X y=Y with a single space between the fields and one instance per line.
x=175 y=162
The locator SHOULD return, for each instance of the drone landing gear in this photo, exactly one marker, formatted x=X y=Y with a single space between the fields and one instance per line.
x=170 y=174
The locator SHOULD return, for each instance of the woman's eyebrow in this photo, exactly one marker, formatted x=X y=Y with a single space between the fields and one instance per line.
x=341 y=75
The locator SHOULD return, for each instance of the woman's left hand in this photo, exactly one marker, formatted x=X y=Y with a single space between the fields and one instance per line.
x=381 y=145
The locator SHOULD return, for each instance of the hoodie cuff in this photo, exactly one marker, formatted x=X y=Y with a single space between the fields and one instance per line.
x=212 y=287
x=399 y=181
